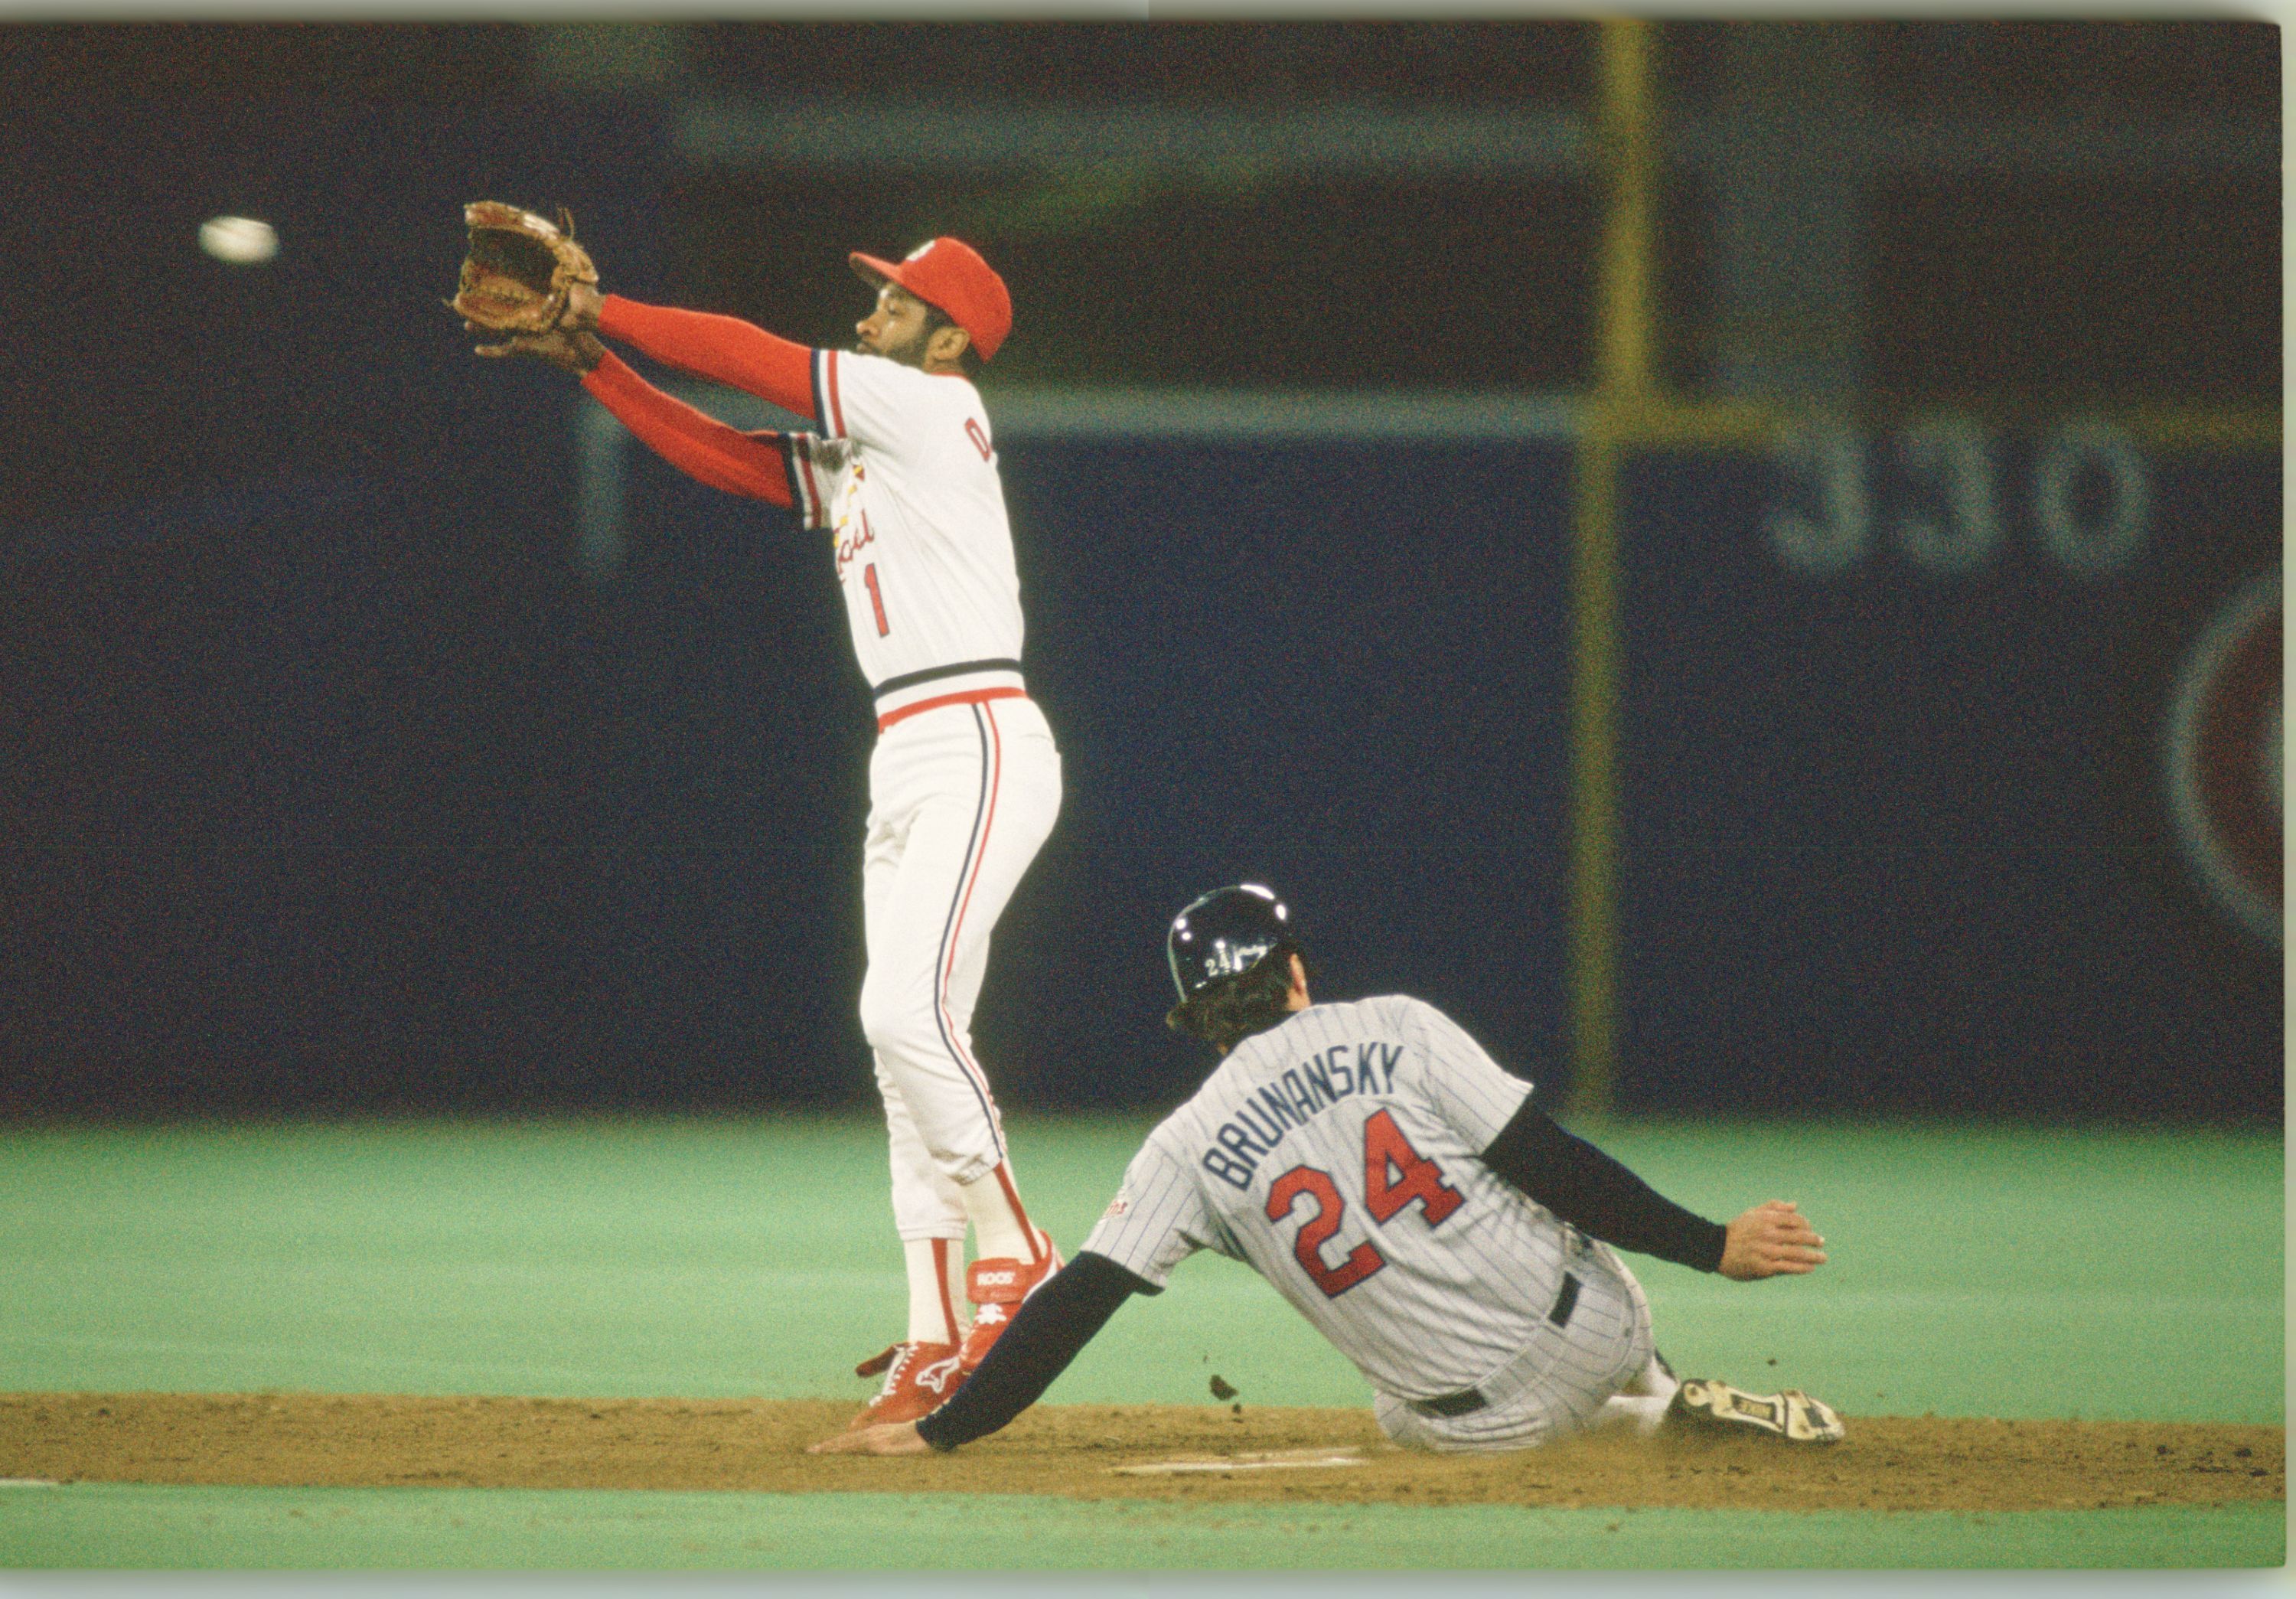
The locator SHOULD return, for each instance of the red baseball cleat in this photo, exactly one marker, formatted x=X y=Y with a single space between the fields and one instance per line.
x=918 y=1376
x=996 y=1286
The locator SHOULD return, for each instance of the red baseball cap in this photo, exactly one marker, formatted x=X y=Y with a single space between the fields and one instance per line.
x=949 y=275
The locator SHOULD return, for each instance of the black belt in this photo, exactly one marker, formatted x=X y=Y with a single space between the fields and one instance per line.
x=1469 y=1400
x=934 y=674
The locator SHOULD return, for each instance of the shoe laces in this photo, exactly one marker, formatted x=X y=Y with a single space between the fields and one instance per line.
x=901 y=1358
x=906 y=1357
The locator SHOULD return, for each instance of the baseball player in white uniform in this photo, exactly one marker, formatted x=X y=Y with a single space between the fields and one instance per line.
x=965 y=781
x=1400 y=1188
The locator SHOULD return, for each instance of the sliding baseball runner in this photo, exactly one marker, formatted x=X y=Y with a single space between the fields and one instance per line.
x=1402 y=1191
x=965 y=781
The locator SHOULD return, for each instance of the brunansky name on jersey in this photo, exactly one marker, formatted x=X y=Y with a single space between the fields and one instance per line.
x=1256 y=1126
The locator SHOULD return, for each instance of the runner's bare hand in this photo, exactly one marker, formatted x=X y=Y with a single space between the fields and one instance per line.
x=1771 y=1240
x=888 y=1438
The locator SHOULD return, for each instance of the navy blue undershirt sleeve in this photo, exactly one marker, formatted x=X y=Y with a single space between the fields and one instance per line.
x=1595 y=1194
x=1053 y=1325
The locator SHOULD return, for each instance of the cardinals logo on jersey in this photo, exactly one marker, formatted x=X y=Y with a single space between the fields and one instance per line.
x=849 y=543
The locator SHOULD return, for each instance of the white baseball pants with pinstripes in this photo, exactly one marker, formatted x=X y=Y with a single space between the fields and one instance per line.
x=1557 y=1386
x=959 y=798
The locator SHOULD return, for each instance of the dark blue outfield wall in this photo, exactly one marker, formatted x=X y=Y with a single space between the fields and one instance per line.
x=358 y=794
x=1898 y=829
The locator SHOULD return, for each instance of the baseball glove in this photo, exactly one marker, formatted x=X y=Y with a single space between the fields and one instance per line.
x=519 y=269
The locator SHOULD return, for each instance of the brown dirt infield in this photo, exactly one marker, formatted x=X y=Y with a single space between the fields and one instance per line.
x=1887 y=1462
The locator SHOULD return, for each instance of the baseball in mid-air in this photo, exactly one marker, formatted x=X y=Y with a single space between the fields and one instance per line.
x=242 y=241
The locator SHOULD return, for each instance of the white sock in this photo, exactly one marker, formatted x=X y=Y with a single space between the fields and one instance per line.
x=1642 y=1412
x=1654 y=1378
x=1000 y=1227
x=936 y=1268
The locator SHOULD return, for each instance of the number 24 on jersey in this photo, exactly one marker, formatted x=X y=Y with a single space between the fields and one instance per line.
x=1395 y=1176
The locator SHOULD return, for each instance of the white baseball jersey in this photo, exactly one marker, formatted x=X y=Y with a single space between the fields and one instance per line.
x=965 y=781
x=903 y=475
x=1339 y=1156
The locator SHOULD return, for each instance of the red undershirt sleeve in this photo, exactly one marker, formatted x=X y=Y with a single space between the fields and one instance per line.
x=725 y=349
x=700 y=445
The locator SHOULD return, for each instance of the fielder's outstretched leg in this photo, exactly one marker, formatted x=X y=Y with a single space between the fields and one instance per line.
x=966 y=795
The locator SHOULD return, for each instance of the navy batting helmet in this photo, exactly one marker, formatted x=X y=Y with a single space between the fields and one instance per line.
x=1225 y=934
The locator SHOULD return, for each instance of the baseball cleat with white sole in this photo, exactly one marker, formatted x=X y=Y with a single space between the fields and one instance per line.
x=1793 y=1415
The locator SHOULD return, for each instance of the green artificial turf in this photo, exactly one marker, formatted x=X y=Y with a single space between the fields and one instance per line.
x=1986 y=1272
x=1972 y=1272
x=107 y=1525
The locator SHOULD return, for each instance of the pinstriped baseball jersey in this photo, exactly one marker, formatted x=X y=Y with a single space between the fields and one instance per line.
x=1338 y=1154
x=903 y=475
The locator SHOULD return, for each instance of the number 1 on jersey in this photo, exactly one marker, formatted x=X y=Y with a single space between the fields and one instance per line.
x=876 y=598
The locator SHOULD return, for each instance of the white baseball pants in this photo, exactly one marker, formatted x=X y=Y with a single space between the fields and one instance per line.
x=1557 y=1386
x=961 y=797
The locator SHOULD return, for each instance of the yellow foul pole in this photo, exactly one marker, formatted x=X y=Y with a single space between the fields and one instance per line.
x=1623 y=394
